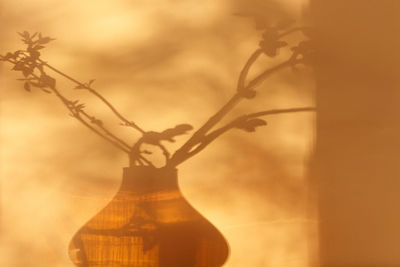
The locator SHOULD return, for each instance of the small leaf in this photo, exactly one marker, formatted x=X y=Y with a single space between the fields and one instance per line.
x=34 y=54
x=16 y=53
x=47 y=80
x=179 y=129
x=250 y=125
x=80 y=106
x=8 y=56
x=27 y=86
x=38 y=47
x=18 y=66
x=183 y=127
x=45 y=40
x=152 y=138
x=90 y=82
x=26 y=72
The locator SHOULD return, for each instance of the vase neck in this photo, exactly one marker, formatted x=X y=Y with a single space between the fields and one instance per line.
x=144 y=179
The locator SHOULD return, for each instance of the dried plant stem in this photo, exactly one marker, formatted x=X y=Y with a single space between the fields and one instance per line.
x=108 y=136
x=94 y=92
x=278 y=111
x=217 y=133
x=235 y=99
x=198 y=137
x=28 y=61
x=180 y=155
x=246 y=68
x=106 y=131
x=79 y=118
x=165 y=153
x=136 y=157
x=264 y=75
x=143 y=159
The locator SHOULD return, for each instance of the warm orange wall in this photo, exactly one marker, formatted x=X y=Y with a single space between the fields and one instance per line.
x=357 y=147
x=163 y=63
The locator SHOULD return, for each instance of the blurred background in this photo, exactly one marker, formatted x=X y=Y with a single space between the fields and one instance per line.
x=162 y=63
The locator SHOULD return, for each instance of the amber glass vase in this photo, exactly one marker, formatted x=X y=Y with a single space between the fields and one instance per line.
x=148 y=224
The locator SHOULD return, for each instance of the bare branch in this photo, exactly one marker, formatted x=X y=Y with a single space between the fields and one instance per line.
x=29 y=61
x=77 y=116
x=246 y=68
x=233 y=124
x=100 y=125
x=141 y=158
x=180 y=155
x=264 y=75
x=94 y=92
x=279 y=111
x=136 y=154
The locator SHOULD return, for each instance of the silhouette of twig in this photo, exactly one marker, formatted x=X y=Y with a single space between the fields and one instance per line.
x=243 y=74
x=81 y=85
x=237 y=123
x=33 y=69
x=269 y=45
x=182 y=154
x=77 y=110
x=100 y=124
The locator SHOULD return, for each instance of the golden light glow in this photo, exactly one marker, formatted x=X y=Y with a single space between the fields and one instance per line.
x=163 y=63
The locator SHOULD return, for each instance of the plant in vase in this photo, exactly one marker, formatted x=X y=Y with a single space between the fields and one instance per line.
x=149 y=223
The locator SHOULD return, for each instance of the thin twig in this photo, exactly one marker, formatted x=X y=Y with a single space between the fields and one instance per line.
x=76 y=115
x=246 y=68
x=165 y=152
x=197 y=142
x=141 y=158
x=216 y=133
x=279 y=111
x=235 y=99
x=264 y=75
x=180 y=155
x=105 y=130
x=196 y=137
x=94 y=92
x=136 y=152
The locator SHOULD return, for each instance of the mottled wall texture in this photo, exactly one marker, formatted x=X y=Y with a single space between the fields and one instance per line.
x=357 y=166
x=165 y=62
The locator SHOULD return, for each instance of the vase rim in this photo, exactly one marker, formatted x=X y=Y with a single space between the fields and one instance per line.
x=150 y=168
x=149 y=171
x=145 y=179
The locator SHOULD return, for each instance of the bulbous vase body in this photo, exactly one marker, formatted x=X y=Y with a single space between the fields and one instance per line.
x=148 y=224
